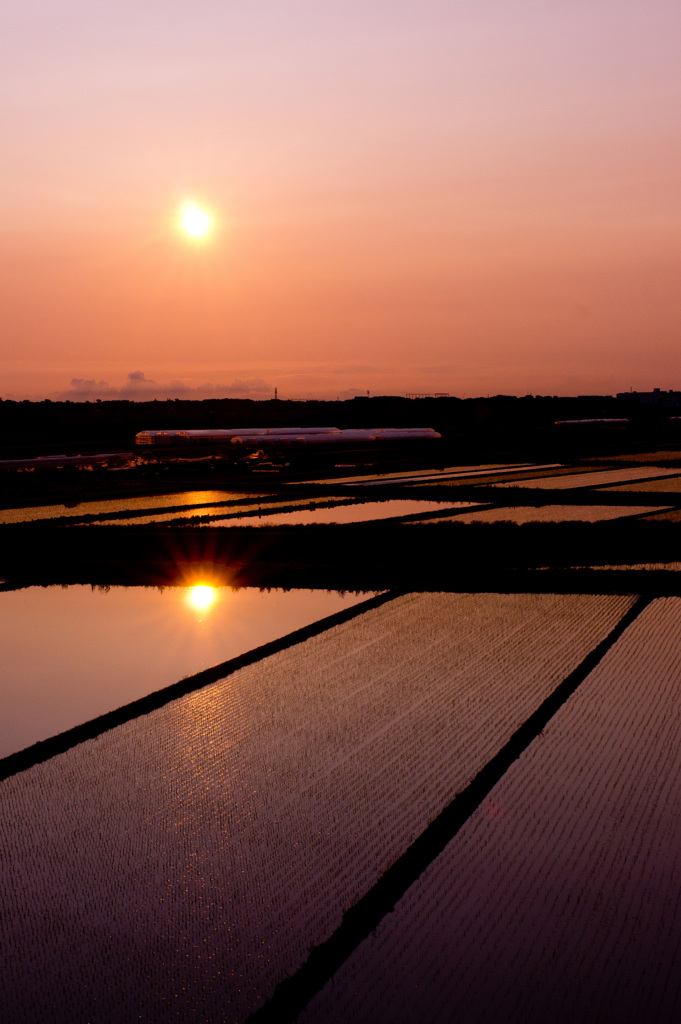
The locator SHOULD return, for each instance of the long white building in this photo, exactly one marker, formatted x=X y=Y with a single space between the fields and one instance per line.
x=282 y=435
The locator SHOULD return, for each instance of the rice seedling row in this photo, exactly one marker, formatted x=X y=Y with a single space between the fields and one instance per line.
x=553 y=513
x=349 y=512
x=672 y=485
x=560 y=899
x=592 y=479
x=250 y=510
x=121 y=505
x=184 y=863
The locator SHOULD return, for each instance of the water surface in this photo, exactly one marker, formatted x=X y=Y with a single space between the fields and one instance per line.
x=72 y=653
x=365 y=512
x=83 y=508
x=254 y=507
x=553 y=513
x=592 y=478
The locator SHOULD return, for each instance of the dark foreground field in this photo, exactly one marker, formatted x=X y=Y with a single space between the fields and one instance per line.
x=457 y=800
x=432 y=800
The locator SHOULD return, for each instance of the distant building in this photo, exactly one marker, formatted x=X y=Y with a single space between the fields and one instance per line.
x=656 y=398
x=432 y=394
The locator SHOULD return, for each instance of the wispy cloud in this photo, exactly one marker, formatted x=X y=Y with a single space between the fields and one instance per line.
x=140 y=388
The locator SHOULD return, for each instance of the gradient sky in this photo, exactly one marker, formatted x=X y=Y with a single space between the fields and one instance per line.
x=468 y=196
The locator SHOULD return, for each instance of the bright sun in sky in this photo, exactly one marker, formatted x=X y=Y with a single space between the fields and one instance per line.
x=202 y=596
x=195 y=221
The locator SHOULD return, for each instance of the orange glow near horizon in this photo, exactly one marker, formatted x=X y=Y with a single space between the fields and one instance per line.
x=480 y=200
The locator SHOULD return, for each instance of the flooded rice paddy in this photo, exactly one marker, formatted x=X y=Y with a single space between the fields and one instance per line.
x=428 y=477
x=315 y=511
x=223 y=508
x=363 y=512
x=181 y=865
x=670 y=485
x=592 y=478
x=553 y=513
x=418 y=474
x=254 y=507
x=187 y=861
x=196 y=499
x=72 y=653
x=558 y=900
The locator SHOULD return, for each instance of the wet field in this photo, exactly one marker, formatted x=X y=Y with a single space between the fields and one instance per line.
x=241 y=821
x=449 y=799
x=72 y=653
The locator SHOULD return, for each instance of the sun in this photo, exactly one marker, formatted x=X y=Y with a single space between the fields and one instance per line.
x=202 y=597
x=195 y=221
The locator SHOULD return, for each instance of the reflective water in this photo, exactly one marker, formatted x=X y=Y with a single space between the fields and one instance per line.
x=365 y=512
x=552 y=514
x=25 y=515
x=592 y=478
x=430 y=475
x=210 y=510
x=432 y=479
x=671 y=485
x=70 y=654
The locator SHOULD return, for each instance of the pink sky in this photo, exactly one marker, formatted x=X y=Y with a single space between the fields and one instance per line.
x=468 y=196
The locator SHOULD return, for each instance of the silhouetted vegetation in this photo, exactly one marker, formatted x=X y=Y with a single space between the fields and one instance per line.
x=500 y=422
x=502 y=428
x=447 y=556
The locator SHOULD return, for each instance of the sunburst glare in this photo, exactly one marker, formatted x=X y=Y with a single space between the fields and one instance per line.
x=202 y=597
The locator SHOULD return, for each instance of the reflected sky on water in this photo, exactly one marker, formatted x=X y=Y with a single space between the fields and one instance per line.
x=365 y=512
x=72 y=653
x=26 y=515
x=552 y=513
x=256 y=506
